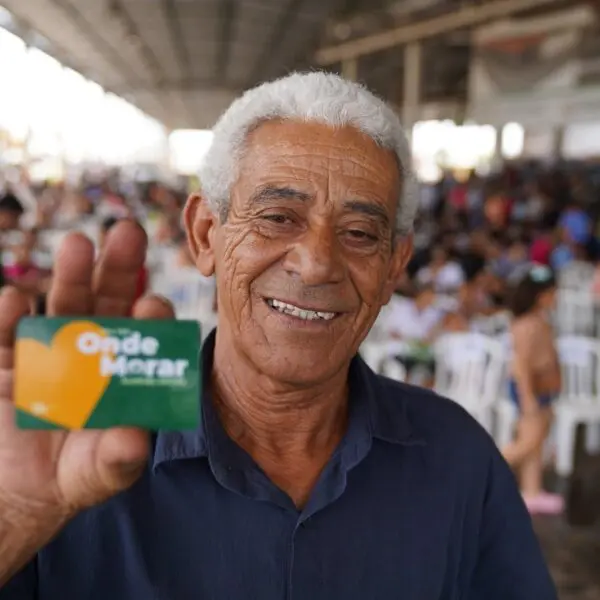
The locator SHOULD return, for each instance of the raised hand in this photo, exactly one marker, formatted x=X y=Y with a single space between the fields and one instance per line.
x=48 y=476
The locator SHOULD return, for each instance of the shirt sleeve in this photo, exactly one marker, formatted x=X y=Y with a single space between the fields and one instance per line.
x=23 y=586
x=510 y=564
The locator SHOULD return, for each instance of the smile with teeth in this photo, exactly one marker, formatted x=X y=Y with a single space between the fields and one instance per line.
x=300 y=313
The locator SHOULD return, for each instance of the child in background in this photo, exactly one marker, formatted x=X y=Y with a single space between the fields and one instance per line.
x=535 y=381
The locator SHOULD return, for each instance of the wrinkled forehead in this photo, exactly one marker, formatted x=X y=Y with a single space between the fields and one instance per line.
x=318 y=153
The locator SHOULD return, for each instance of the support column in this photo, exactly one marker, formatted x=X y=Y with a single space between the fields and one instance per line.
x=557 y=142
x=413 y=62
x=498 y=158
x=350 y=69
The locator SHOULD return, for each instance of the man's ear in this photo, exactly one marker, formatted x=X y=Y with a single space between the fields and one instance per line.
x=200 y=226
x=401 y=255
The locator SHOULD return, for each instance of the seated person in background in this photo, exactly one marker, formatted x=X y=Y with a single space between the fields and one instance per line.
x=444 y=275
x=514 y=257
x=413 y=319
x=21 y=271
x=473 y=297
x=168 y=230
x=472 y=301
x=575 y=231
x=473 y=257
x=535 y=380
x=576 y=224
x=41 y=254
x=493 y=288
x=416 y=321
x=454 y=322
x=541 y=248
x=11 y=211
x=564 y=253
x=71 y=210
x=183 y=258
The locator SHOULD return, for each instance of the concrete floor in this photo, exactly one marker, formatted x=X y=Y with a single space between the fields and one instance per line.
x=573 y=555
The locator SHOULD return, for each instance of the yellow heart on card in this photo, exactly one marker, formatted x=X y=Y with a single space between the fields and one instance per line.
x=58 y=383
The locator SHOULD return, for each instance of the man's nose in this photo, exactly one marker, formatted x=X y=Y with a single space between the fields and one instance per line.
x=317 y=257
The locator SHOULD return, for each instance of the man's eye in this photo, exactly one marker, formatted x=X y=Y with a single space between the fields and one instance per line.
x=277 y=218
x=360 y=235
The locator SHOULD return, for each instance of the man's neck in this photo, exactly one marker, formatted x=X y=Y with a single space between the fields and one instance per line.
x=270 y=414
x=290 y=432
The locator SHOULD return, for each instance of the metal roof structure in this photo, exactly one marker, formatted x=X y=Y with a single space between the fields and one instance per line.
x=183 y=61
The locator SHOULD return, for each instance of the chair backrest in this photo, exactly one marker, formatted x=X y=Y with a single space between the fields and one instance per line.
x=576 y=276
x=381 y=357
x=192 y=294
x=393 y=369
x=580 y=368
x=492 y=325
x=575 y=312
x=469 y=369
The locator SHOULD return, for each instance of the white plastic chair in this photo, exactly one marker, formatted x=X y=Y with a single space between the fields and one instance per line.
x=52 y=239
x=576 y=276
x=575 y=312
x=469 y=369
x=492 y=325
x=505 y=409
x=381 y=357
x=192 y=294
x=579 y=401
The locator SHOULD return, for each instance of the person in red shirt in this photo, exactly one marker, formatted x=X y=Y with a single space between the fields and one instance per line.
x=541 y=248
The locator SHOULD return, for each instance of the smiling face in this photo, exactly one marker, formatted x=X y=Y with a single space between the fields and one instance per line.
x=305 y=259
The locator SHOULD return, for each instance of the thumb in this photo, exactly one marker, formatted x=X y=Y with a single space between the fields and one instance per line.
x=153 y=307
x=121 y=456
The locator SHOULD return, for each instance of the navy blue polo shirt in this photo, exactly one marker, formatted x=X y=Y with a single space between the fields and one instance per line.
x=415 y=504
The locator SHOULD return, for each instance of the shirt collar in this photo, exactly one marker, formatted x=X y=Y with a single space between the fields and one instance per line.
x=373 y=414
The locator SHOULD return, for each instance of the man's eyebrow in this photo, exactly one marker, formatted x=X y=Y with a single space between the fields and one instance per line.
x=270 y=192
x=368 y=208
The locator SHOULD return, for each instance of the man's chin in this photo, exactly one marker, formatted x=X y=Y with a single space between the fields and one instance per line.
x=299 y=364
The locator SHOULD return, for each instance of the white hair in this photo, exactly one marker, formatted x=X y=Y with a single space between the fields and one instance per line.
x=317 y=97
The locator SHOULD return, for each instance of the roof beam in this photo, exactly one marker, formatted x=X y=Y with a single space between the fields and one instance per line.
x=595 y=4
x=469 y=16
x=120 y=11
x=177 y=39
x=201 y=84
x=227 y=13
x=271 y=46
x=106 y=50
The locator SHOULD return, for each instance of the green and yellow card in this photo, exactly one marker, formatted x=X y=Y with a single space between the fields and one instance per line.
x=95 y=373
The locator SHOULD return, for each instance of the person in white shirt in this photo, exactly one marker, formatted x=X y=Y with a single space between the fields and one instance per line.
x=445 y=275
x=413 y=319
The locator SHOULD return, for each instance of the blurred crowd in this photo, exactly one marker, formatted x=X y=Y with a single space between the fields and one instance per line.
x=35 y=217
x=476 y=235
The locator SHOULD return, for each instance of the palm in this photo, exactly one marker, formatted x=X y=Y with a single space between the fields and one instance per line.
x=51 y=471
x=62 y=469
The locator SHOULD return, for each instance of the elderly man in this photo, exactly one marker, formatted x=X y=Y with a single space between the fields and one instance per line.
x=311 y=478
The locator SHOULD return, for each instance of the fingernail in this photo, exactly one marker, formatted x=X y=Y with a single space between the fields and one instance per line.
x=163 y=300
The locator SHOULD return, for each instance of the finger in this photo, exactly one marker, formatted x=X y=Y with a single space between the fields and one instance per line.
x=103 y=462
x=153 y=307
x=13 y=307
x=71 y=289
x=117 y=272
